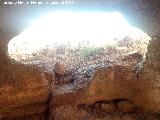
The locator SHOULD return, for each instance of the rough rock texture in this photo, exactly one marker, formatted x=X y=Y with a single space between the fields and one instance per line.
x=37 y=116
x=59 y=69
x=25 y=90
x=125 y=106
x=148 y=84
x=114 y=82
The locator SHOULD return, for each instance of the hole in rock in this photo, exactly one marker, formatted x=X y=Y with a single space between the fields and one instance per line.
x=81 y=40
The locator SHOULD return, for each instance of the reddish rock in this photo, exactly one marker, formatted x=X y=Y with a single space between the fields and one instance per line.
x=37 y=116
x=125 y=106
x=108 y=107
x=62 y=95
x=21 y=86
x=108 y=84
x=24 y=111
x=147 y=91
x=23 y=90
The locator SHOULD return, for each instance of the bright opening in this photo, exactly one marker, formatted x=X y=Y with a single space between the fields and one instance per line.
x=66 y=33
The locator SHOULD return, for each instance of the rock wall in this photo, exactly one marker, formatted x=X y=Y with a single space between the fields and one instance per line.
x=149 y=80
x=25 y=90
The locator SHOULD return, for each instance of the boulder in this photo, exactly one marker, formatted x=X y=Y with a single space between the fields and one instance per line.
x=111 y=83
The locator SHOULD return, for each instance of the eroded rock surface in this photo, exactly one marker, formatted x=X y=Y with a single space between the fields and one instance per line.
x=118 y=92
x=24 y=90
x=113 y=82
x=149 y=81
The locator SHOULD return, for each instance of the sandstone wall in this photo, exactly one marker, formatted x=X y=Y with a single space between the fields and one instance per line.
x=25 y=90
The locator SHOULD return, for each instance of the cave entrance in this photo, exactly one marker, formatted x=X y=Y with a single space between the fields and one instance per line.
x=77 y=39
